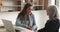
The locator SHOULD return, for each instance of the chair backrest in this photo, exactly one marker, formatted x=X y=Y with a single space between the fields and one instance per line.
x=8 y=25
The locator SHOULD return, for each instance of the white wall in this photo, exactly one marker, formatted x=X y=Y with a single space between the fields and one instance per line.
x=40 y=17
x=9 y=16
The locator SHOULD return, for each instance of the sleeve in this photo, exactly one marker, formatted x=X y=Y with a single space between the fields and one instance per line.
x=34 y=22
x=59 y=23
x=20 y=23
x=34 y=27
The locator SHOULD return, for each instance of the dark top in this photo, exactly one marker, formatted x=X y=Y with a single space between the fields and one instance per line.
x=51 y=26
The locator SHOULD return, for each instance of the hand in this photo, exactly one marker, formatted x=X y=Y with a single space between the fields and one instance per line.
x=29 y=27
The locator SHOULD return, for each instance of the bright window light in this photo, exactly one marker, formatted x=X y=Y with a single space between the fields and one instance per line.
x=51 y=2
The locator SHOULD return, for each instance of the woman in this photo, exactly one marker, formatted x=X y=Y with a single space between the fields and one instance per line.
x=26 y=18
x=52 y=24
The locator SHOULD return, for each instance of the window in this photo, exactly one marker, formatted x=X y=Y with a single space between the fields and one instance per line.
x=59 y=4
x=51 y=2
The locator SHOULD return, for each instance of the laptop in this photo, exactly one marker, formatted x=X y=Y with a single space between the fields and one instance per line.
x=8 y=25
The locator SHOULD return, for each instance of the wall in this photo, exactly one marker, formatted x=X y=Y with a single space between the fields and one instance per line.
x=9 y=16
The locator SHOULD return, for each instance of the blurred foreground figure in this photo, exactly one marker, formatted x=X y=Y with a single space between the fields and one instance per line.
x=52 y=24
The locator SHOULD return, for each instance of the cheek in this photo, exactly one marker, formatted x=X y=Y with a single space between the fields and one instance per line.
x=29 y=10
x=47 y=12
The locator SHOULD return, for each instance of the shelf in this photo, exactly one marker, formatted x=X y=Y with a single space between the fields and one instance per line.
x=38 y=5
x=40 y=2
x=19 y=4
x=11 y=0
x=13 y=6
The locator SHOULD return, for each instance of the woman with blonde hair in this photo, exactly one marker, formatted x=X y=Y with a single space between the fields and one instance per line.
x=52 y=24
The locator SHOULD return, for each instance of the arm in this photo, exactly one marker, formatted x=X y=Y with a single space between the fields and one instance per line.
x=33 y=23
x=18 y=23
x=34 y=27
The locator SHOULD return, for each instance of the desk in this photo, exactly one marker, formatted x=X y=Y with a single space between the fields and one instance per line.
x=23 y=29
x=17 y=28
x=3 y=30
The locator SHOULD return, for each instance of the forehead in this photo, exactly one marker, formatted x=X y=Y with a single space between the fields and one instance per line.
x=30 y=7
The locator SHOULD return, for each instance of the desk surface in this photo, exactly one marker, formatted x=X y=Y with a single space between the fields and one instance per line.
x=23 y=29
x=18 y=28
x=3 y=30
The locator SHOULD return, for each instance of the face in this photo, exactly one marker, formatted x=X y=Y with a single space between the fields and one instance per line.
x=48 y=12
x=29 y=9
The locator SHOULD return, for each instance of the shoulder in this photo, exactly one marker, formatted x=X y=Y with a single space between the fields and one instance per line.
x=19 y=16
x=53 y=21
x=32 y=14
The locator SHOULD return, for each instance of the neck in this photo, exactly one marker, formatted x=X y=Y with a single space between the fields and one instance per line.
x=52 y=17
